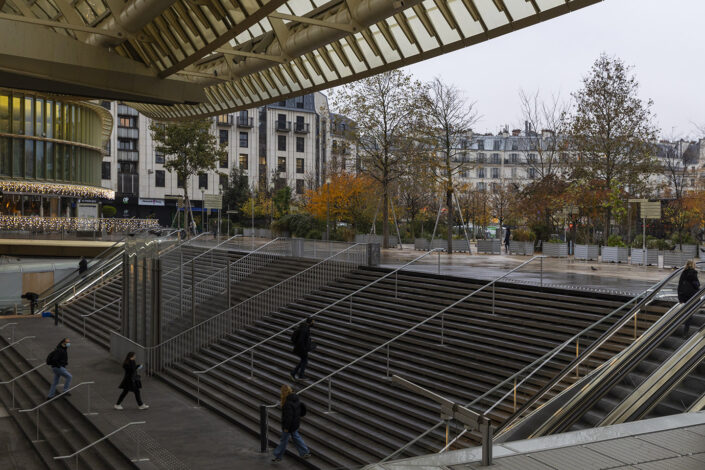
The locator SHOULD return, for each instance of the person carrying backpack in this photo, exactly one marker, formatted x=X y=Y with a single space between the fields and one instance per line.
x=292 y=412
x=301 y=339
x=58 y=359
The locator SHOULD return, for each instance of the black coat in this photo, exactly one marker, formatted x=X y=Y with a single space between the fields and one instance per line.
x=131 y=381
x=82 y=266
x=688 y=284
x=60 y=358
x=291 y=413
x=302 y=339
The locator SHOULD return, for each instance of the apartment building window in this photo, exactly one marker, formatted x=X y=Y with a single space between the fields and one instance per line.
x=105 y=171
x=464 y=173
x=481 y=186
x=281 y=164
x=223 y=137
x=300 y=102
x=495 y=172
x=496 y=144
x=481 y=158
x=514 y=172
x=179 y=181
x=223 y=180
x=300 y=144
x=158 y=157
x=480 y=172
x=159 y=178
x=126 y=121
x=299 y=186
x=299 y=165
x=514 y=157
x=515 y=145
x=281 y=143
x=531 y=158
x=243 y=161
x=224 y=119
x=531 y=173
x=481 y=145
x=244 y=139
x=203 y=181
x=127 y=144
x=282 y=103
x=494 y=158
x=223 y=161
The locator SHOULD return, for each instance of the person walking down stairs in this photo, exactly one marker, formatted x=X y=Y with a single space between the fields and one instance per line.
x=292 y=412
x=688 y=286
x=131 y=382
x=58 y=359
x=301 y=339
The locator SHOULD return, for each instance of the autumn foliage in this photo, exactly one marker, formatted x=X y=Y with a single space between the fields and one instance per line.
x=349 y=198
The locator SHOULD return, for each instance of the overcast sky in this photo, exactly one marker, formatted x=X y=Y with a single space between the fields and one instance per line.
x=664 y=41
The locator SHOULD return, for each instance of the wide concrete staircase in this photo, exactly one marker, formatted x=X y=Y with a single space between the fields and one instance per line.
x=370 y=418
x=63 y=428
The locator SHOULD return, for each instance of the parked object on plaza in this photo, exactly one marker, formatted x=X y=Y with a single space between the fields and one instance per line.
x=492 y=246
x=675 y=258
x=292 y=412
x=587 y=252
x=131 y=381
x=58 y=359
x=521 y=248
x=615 y=254
x=688 y=286
x=301 y=339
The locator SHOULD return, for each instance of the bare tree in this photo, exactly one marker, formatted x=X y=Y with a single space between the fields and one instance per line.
x=386 y=109
x=501 y=197
x=678 y=161
x=449 y=121
x=543 y=121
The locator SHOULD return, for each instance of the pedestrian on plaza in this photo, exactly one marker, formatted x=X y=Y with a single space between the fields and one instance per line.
x=507 y=234
x=82 y=265
x=688 y=286
x=292 y=412
x=58 y=359
x=131 y=381
x=301 y=339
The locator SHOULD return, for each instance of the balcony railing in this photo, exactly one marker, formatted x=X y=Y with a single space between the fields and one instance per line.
x=128 y=183
x=301 y=128
x=128 y=155
x=244 y=122
x=126 y=111
x=282 y=126
x=129 y=132
x=225 y=120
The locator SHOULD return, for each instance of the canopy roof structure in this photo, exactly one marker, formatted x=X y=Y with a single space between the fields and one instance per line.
x=177 y=59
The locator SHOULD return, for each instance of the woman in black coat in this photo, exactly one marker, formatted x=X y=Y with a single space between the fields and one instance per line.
x=688 y=286
x=131 y=382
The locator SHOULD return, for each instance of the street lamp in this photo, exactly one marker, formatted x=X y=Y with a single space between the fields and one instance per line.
x=328 y=209
x=203 y=209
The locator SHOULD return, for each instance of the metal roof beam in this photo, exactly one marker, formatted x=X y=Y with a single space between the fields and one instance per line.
x=236 y=52
x=58 y=24
x=315 y=22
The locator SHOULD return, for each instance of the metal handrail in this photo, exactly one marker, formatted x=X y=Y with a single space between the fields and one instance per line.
x=92 y=282
x=75 y=454
x=407 y=331
x=86 y=315
x=28 y=410
x=13 y=325
x=201 y=254
x=544 y=360
x=17 y=342
x=262 y=293
x=221 y=270
x=204 y=371
x=12 y=381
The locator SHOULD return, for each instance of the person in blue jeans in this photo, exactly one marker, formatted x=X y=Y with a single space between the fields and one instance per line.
x=58 y=360
x=292 y=411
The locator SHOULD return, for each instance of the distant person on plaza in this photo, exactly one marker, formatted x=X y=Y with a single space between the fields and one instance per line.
x=292 y=412
x=131 y=381
x=301 y=339
x=82 y=265
x=58 y=359
x=32 y=298
x=507 y=234
x=688 y=286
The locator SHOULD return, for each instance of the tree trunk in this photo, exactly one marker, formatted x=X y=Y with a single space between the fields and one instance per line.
x=187 y=211
x=385 y=216
x=449 y=205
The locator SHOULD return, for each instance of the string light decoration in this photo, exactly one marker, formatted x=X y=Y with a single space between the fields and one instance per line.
x=74 y=224
x=55 y=189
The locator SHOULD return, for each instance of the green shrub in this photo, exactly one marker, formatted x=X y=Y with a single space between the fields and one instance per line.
x=298 y=225
x=523 y=235
x=615 y=240
x=684 y=238
x=554 y=239
x=109 y=211
x=344 y=234
x=652 y=243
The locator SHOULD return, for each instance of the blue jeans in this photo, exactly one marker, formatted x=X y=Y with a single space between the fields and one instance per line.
x=58 y=373
x=298 y=442
x=301 y=366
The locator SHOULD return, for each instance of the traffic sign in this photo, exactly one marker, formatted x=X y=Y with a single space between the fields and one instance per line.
x=213 y=201
x=651 y=210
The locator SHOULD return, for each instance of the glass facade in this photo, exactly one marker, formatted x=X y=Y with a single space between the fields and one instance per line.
x=45 y=140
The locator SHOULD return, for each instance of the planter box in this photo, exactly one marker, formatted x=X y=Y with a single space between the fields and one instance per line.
x=372 y=238
x=438 y=243
x=521 y=248
x=461 y=246
x=555 y=250
x=492 y=246
x=675 y=258
x=587 y=252
x=690 y=250
x=615 y=254
x=421 y=244
x=638 y=256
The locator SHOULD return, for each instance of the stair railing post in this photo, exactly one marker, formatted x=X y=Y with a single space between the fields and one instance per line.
x=351 y=305
x=635 y=314
x=541 y=271
x=252 y=363
x=493 y=284
x=198 y=389
x=229 y=287
x=330 y=386
x=439 y=262
x=263 y=428
x=181 y=282
x=388 y=344
x=193 y=293
x=577 y=353
x=515 y=395
x=486 y=429
x=396 y=285
x=13 y=395
x=37 y=424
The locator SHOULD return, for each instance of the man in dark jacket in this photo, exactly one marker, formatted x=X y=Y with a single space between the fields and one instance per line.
x=302 y=346
x=82 y=265
x=507 y=234
x=58 y=360
x=688 y=286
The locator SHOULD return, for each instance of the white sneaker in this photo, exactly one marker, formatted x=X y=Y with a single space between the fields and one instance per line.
x=143 y=407
x=118 y=407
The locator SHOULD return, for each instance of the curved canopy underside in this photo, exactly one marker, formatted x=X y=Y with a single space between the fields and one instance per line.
x=176 y=59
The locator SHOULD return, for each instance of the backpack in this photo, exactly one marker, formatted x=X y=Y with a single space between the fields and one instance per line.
x=51 y=358
x=295 y=335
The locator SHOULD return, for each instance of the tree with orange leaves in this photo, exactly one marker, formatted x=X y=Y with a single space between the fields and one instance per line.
x=349 y=198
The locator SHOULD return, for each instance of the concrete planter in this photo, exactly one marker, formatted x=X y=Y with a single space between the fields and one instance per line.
x=690 y=250
x=438 y=243
x=421 y=244
x=675 y=258
x=492 y=246
x=638 y=256
x=258 y=232
x=461 y=246
x=615 y=254
x=555 y=250
x=587 y=252
x=521 y=248
x=371 y=238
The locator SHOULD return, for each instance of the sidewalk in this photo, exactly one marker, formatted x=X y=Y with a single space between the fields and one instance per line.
x=177 y=434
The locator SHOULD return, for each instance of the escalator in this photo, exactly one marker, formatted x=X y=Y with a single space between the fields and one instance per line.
x=630 y=385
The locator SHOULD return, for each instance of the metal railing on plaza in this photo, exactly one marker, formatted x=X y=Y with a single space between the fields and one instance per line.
x=247 y=312
x=55 y=397
x=78 y=452
x=12 y=381
x=509 y=393
x=117 y=301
